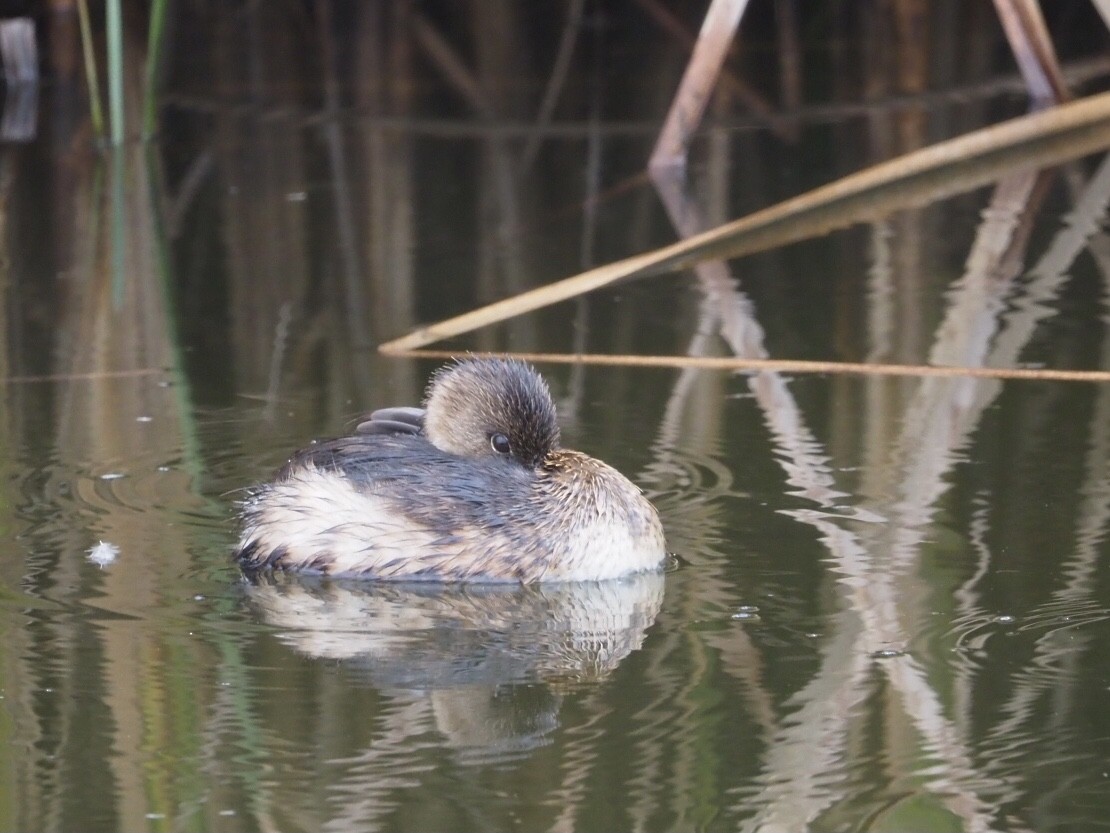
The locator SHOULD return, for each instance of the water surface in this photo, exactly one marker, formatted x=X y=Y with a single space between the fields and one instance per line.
x=888 y=606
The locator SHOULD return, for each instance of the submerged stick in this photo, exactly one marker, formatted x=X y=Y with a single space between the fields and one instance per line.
x=951 y=167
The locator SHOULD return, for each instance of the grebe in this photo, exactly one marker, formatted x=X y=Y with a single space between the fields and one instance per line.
x=473 y=487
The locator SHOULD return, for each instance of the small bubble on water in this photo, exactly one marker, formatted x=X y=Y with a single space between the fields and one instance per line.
x=748 y=609
x=812 y=635
x=227 y=812
x=164 y=468
x=1004 y=619
x=144 y=418
x=886 y=653
x=113 y=475
x=745 y=616
x=155 y=816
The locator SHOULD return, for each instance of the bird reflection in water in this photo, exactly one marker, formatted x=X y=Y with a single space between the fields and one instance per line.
x=492 y=661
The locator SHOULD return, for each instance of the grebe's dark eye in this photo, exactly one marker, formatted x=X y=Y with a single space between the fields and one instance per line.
x=500 y=444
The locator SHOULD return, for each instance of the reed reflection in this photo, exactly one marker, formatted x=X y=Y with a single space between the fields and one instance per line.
x=884 y=603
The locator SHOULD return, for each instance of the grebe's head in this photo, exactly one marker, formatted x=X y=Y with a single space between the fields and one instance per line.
x=491 y=407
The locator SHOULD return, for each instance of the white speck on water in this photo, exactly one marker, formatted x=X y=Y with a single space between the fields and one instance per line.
x=113 y=475
x=155 y=816
x=103 y=553
x=144 y=418
x=164 y=468
x=1004 y=619
x=227 y=812
x=296 y=196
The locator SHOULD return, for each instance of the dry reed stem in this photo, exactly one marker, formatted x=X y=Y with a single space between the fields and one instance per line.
x=555 y=83
x=954 y=166
x=1103 y=7
x=1028 y=35
x=449 y=62
x=736 y=87
x=714 y=39
x=736 y=363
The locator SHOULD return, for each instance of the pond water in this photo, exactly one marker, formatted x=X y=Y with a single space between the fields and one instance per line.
x=889 y=602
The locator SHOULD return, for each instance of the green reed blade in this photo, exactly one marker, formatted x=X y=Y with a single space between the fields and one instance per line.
x=92 y=75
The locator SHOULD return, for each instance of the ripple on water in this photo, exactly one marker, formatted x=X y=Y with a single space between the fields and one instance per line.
x=123 y=534
x=1042 y=626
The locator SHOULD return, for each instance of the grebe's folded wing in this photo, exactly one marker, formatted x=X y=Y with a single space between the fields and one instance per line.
x=393 y=421
x=361 y=457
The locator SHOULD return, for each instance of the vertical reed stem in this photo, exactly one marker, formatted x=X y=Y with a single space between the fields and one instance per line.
x=115 y=69
x=119 y=228
x=153 y=62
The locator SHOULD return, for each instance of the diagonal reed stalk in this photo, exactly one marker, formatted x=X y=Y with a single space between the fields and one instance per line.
x=92 y=75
